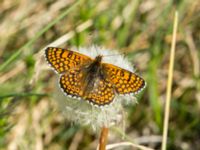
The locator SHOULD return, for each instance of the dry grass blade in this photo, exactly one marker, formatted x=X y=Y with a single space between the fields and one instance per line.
x=169 y=84
x=193 y=53
x=112 y=146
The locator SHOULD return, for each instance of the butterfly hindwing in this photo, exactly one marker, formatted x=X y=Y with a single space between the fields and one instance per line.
x=71 y=83
x=101 y=94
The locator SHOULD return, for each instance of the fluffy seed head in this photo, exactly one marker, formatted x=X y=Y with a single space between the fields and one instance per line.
x=79 y=111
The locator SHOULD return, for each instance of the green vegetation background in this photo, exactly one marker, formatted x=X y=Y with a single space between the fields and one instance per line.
x=29 y=116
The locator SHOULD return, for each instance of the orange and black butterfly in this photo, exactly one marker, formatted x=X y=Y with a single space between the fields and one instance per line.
x=91 y=79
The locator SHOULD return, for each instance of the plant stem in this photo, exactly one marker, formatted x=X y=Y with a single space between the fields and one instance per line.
x=103 y=138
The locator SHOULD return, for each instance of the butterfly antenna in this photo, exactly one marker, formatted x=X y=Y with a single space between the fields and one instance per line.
x=93 y=36
x=95 y=46
x=123 y=53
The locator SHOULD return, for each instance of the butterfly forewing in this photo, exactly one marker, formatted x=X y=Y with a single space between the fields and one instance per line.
x=63 y=60
x=124 y=81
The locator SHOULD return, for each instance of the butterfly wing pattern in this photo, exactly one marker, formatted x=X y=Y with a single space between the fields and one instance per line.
x=63 y=60
x=71 y=84
x=73 y=69
x=102 y=93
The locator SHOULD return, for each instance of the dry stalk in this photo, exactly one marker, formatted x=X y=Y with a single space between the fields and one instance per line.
x=169 y=84
x=103 y=138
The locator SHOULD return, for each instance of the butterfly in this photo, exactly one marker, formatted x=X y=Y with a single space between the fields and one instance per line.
x=91 y=79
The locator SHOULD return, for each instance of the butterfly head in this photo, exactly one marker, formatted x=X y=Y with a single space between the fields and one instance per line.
x=98 y=59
